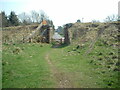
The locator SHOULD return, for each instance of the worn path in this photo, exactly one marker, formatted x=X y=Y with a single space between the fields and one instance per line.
x=62 y=79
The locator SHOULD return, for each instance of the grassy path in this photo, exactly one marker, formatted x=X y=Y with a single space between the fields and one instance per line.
x=61 y=78
x=69 y=71
x=40 y=66
x=24 y=66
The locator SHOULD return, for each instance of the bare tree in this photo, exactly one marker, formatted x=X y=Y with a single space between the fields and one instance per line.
x=25 y=18
x=35 y=16
x=43 y=15
x=22 y=16
x=111 y=18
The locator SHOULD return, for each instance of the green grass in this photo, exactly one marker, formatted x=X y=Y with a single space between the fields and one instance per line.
x=27 y=67
x=76 y=66
x=84 y=73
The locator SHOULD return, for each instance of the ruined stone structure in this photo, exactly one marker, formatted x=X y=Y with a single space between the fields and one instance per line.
x=80 y=31
x=43 y=32
x=46 y=32
x=67 y=39
x=67 y=34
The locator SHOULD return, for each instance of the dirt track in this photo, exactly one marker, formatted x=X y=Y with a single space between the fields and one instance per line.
x=62 y=79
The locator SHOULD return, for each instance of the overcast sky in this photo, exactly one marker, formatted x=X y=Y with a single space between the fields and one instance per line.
x=64 y=11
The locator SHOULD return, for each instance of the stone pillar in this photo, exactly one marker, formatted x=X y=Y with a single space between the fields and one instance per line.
x=67 y=38
x=50 y=34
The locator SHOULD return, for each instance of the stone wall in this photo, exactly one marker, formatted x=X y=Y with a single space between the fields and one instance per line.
x=88 y=31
